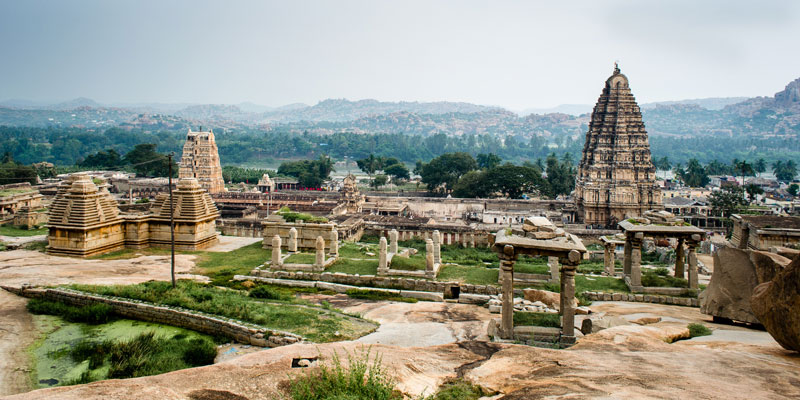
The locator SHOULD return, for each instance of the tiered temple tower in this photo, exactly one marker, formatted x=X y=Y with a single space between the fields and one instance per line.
x=616 y=177
x=200 y=160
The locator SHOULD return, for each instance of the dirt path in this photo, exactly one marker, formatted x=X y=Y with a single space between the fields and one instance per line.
x=17 y=332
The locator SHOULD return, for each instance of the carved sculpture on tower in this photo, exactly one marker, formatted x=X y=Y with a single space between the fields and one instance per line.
x=200 y=160
x=616 y=176
x=352 y=197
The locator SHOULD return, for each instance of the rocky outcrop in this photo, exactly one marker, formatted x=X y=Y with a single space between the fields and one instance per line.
x=551 y=299
x=736 y=273
x=777 y=305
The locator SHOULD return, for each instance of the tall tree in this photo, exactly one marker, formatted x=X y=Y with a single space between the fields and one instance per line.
x=488 y=160
x=443 y=172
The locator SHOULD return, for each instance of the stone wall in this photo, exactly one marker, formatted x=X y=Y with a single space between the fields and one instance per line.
x=642 y=298
x=306 y=234
x=213 y=325
x=240 y=227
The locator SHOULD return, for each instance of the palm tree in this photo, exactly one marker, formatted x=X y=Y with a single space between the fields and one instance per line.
x=742 y=168
x=760 y=166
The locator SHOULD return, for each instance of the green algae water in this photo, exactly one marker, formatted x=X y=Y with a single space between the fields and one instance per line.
x=52 y=363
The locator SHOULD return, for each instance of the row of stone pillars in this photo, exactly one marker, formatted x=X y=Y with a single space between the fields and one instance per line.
x=632 y=261
x=566 y=306
x=433 y=251
x=465 y=239
x=277 y=242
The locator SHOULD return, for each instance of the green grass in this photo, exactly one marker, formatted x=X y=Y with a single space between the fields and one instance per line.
x=414 y=263
x=97 y=313
x=550 y=320
x=354 y=250
x=456 y=254
x=362 y=378
x=144 y=355
x=301 y=258
x=11 y=230
x=366 y=294
x=459 y=389
x=526 y=268
x=473 y=275
x=314 y=323
x=696 y=330
x=600 y=284
x=9 y=192
x=657 y=278
x=352 y=267
x=593 y=267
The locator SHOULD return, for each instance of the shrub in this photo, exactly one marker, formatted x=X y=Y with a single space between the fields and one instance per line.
x=96 y=313
x=361 y=379
x=199 y=352
x=583 y=300
x=662 y=271
x=265 y=292
x=459 y=389
x=696 y=330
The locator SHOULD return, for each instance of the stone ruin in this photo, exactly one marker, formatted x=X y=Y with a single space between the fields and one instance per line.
x=387 y=252
x=567 y=248
x=85 y=220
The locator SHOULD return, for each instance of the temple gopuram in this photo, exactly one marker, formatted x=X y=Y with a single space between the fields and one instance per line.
x=85 y=220
x=616 y=177
x=200 y=160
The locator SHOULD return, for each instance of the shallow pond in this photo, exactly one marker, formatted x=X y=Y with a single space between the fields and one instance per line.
x=52 y=365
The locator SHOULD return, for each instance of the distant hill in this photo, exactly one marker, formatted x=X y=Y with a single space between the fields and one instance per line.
x=711 y=103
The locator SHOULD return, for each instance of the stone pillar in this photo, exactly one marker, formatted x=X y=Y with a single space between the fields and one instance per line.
x=292 y=245
x=334 y=243
x=437 y=247
x=636 y=259
x=567 y=306
x=679 y=261
x=626 y=260
x=393 y=241
x=276 y=251
x=320 y=252
x=383 y=263
x=507 y=276
x=608 y=258
x=552 y=262
x=693 y=261
x=429 y=258
x=472 y=240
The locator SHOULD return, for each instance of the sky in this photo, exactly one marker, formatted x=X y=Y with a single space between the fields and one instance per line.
x=514 y=54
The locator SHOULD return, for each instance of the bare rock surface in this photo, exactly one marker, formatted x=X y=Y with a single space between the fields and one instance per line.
x=777 y=305
x=551 y=299
x=16 y=328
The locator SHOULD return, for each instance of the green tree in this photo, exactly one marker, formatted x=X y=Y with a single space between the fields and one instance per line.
x=144 y=160
x=488 y=160
x=793 y=189
x=663 y=164
x=729 y=200
x=742 y=168
x=560 y=175
x=785 y=171
x=379 y=181
x=694 y=175
x=443 y=172
x=472 y=184
x=397 y=171
x=760 y=166
x=752 y=190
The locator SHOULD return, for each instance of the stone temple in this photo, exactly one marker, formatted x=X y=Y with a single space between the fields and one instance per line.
x=616 y=177
x=200 y=160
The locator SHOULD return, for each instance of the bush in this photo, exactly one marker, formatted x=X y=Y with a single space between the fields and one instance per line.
x=96 y=313
x=696 y=330
x=265 y=292
x=653 y=279
x=199 y=352
x=459 y=389
x=361 y=379
x=662 y=271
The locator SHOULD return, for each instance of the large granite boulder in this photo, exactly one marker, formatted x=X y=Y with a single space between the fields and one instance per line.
x=736 y=273
x=777 y=305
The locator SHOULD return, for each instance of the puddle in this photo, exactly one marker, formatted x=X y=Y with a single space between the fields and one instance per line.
x=50 y=353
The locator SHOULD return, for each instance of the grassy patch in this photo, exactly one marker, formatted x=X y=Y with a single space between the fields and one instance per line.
x=550 y=320
x=468 y=256
x=301 y=258
x=377 y=295
x=530 y=265
x=354 y=250
x=414 y=263
x=241 y=261
x=314 y=323
x=97 y=313
x=593 y=267
x=11 y=230
x=600 y=284
x=696 y=330
x=352 y=267
x=459 y=389
x=476 y=275
x=658 y=278
x=362 y=378
x=144 y=355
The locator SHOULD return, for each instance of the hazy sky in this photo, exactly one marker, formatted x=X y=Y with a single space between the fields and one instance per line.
x=516 y=54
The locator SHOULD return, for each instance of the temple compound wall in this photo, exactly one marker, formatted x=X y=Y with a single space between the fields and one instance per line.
x=760 y=232
x=303 y=235
x=200 y=160
x=85 y=220
x=616 y=176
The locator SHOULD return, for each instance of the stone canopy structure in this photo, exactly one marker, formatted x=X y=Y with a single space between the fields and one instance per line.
x=85 y=220
x=200 y=160
x=616 y=177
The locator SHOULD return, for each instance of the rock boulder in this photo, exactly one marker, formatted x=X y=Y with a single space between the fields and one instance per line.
x=551 y=299
x=777 y=305
x=728 y=293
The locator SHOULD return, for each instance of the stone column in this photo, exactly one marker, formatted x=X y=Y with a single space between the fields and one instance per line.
x=626 y=260
x=383 y=264
x=567 y=306
x=437 y=247
x=320 y=252
x=552 y=262
x=334 y=243
x=276 y=251
x=393 y=241
x=608 y=258
x=429 y=258
x=636 y=259
x=507 y=275
x=679 y=262
x=693 y=261
x=471 y=240
x=292 y=245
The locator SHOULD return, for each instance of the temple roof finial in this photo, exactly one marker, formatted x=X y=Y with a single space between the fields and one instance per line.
x=616 y=67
